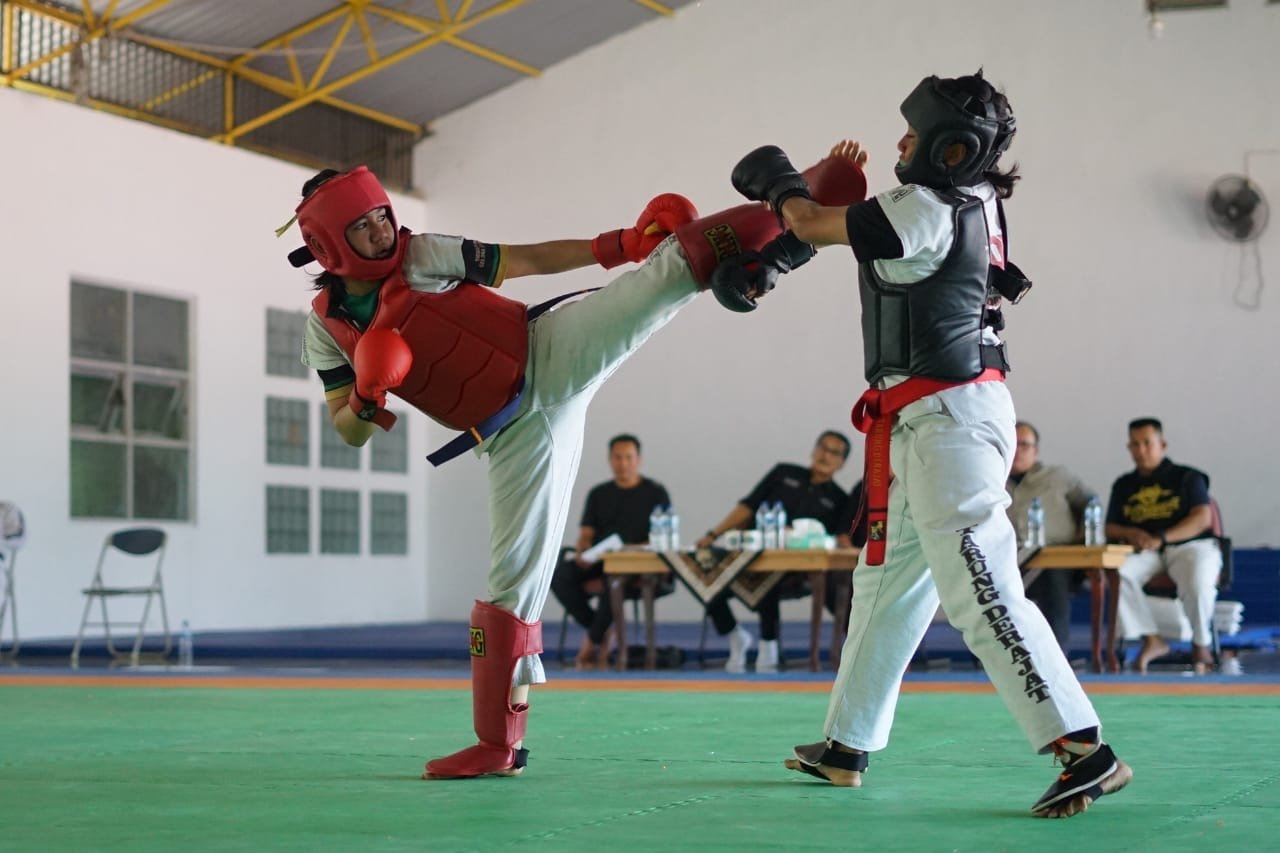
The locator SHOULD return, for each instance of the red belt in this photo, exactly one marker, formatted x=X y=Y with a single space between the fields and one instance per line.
x=873 y=415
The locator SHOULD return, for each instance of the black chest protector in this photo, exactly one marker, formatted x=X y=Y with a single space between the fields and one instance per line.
x=933 y=327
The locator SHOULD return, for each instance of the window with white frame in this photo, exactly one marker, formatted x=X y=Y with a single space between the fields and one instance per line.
x=284 y=343
x=388 y=523
x=288 y=432
x=288 y=520
x=130 y=390
x=339 y=521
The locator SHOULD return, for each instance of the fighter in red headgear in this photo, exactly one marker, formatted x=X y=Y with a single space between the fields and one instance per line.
x=418 y=315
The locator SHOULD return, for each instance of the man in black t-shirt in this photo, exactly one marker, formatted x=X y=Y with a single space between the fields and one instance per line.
x=804 y=493
x=1163 y=510
x=622 y=506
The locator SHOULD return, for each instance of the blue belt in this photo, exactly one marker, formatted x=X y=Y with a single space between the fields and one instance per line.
x=464 y=441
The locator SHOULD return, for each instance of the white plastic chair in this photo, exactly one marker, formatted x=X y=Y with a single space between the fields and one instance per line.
x=128 y=566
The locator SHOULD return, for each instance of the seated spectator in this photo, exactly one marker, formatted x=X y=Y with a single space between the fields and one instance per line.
x=622 y=506
x=1064 y=497
x=1163 y=511
x=804 y=493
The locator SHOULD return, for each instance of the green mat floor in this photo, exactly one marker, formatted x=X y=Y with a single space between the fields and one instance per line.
x=97 y=768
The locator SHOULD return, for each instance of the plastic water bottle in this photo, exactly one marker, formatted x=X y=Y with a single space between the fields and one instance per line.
x=673 y=529
x=764 y=521
x=1094 y=532
x=770 y=532
x=186 y=647
x=780 y=522
x=1035 y=524
x=658 y=529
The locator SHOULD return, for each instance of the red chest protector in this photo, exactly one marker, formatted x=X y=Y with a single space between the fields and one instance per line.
x=469 y=347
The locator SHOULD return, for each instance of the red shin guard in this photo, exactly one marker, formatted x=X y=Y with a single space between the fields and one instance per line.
x=748 y=227
x=498 y=641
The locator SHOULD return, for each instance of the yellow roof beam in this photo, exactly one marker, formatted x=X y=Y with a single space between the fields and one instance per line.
x=430 y=27
x=329 y=54
x=446 y=30
x=92 y=30
x=654 y=6
x=279 y=85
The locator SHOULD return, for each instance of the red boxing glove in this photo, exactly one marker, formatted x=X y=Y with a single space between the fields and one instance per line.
x=382 y=360
x=661 y=216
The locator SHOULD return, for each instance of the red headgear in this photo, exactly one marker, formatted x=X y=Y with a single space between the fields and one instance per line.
x=324 y=216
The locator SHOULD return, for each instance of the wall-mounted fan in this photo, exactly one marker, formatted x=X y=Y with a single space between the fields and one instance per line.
x=1236 y=208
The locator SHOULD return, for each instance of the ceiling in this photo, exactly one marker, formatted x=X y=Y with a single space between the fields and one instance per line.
x=269 y=75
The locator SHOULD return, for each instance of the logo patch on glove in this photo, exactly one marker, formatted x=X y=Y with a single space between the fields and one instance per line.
x=723 y=240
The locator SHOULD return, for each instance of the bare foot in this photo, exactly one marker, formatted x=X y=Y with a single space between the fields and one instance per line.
x=587 y=654
x=1080 y=803
x=1152 y=647
x=1201 y=660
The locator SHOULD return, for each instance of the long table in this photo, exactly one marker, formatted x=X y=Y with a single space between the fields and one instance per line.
x=1102 y=563
x=650 y=568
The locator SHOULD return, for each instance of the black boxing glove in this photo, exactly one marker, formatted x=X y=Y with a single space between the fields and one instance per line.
x=786 y=252
x=767 y=175
x=739 y=280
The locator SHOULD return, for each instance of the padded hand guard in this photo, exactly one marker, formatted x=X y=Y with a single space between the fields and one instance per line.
x=740 y=281
x=767 y=175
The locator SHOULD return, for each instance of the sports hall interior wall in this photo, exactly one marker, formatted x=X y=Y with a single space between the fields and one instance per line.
x=1133 y=313
x=1120 y=135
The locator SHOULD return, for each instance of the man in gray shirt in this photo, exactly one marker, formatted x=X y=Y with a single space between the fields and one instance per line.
x=1064 y=497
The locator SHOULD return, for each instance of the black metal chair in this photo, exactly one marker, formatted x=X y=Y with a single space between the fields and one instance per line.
x=129 y=565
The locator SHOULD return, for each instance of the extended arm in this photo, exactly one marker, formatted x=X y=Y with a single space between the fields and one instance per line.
x=767 y=175
x=546 y=258
x=661 y=216
x=737 y=518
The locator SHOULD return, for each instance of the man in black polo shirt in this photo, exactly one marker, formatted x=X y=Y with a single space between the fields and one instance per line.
x=622 y=506
x=1163 y=511
x=804 y=493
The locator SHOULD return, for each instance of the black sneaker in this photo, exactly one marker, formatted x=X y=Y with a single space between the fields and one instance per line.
x=1080 y=775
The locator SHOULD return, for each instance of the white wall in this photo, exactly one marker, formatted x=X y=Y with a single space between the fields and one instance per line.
x=1132 y=313
x=125 y=204
x=1119 y=137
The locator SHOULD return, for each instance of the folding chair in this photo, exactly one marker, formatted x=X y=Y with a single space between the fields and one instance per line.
x=125 y=570
x=13 y=534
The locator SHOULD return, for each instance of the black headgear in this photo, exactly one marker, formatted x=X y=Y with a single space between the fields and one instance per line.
x=943 y=114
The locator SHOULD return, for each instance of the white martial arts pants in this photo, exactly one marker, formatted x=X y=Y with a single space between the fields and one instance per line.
x=949 y=538
x=1194 y=567
x=533 y=461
